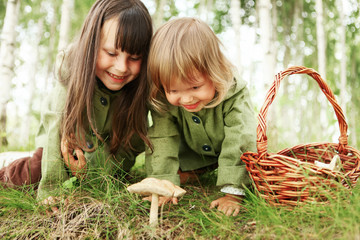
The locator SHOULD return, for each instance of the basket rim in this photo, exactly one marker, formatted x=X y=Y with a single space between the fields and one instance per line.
x=262 y=146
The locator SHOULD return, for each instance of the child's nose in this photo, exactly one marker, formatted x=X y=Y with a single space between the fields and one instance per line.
x=186 y=98
x=121 y=63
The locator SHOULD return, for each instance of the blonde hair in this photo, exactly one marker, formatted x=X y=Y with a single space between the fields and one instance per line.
x=181 y=47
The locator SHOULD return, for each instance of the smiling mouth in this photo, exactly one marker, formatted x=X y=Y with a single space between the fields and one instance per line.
x=192 y=106
x=121 y=78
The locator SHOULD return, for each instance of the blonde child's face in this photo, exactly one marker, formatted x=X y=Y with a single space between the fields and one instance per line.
x=192 y=96
x=113 y=67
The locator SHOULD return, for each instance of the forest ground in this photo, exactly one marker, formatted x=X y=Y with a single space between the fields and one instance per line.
x=104 y=209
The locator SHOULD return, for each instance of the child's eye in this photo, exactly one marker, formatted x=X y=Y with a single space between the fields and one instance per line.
x=173 y=91
x=196 y=87
x=135 y=58
x=111 y=54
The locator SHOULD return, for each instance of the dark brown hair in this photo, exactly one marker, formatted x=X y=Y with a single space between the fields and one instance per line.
x=130 y=112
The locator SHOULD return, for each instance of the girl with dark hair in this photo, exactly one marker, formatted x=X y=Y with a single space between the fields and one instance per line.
x=97 y=110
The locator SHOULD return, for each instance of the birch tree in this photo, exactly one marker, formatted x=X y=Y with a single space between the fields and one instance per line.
x=266 y=30
x=159 y=13
x=7 y=60
x=320 y=35
x=65 y=23
x=204 y=9
x=343 y=59
x=26 y=117
x=235 y=14
x=269 y=59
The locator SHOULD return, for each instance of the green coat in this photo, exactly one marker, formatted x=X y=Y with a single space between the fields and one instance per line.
x=54 y=171
x=195 y=140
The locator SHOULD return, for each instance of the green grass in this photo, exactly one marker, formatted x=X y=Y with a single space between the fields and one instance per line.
x=103 y=209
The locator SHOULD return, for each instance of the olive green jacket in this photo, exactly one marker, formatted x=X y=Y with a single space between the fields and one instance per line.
x=54 y=171
x=195 y=140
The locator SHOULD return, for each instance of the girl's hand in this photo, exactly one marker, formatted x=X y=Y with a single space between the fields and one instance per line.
x=164 y=200
x=229 y=205
x=52 y=203
x=77 y=166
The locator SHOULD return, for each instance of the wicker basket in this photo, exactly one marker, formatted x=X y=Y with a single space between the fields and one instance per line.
x=291 y=177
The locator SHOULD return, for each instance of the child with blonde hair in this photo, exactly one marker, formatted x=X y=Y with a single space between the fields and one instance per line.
x=202 y=116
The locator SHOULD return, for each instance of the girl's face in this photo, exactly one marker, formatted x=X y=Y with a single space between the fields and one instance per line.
x=114 y=67
x=192 y=96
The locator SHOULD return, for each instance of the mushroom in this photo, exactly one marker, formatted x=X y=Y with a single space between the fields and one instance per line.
x=156 y=187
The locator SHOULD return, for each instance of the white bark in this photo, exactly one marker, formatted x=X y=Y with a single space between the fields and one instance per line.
x=66 y=12
x=235 y=14
x=7 y=60
x=299 y=31
x=159 y=13
x=50 y=52
x=205 y=7
x=343 y=60
x=26 y=117
x=266 y=30
x=7 y=56
x=320 y=34
x=269 y=61
x=321 y=124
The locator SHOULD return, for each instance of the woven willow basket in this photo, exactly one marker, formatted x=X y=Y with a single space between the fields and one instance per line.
x=291 y=177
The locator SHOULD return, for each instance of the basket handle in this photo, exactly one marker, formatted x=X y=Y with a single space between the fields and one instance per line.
x=261 y=129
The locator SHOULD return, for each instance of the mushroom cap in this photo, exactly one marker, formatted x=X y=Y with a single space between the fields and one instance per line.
x=150 y=186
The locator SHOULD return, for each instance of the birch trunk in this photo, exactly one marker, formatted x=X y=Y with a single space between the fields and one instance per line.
x=321 y=49
x=50 y=51
x=235 y=14
x=320 y=34
x=7 y=59
x=343 y=59
x=354 y=110
x=205 y=7
x=269 y=60
x=159 y=13
x=265 y=24
x=26 y=118
x=66 y=11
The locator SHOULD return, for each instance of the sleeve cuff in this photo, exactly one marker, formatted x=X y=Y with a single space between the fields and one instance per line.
x=233 y=190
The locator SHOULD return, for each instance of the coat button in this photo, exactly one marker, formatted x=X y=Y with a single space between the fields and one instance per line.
x=196 y=119
x=103 y=101
x=89 y=144
x=206 y=148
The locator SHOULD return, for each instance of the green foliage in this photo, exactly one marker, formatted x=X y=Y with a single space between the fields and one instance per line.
x=172 y=11
x=2 y=13
x=71 y=183
x=222 y=18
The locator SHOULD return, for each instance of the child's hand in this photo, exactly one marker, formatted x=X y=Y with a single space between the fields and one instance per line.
x=164 y=200
x=229 y=205
x=53 y=203
x=77 y=166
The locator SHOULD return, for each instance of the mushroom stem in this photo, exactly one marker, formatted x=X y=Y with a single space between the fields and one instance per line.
x=154 y=210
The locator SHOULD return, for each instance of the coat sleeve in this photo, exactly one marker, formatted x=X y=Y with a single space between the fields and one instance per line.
x=52 y=166
x=163 y=161
x=48 y=137
x=240 y=136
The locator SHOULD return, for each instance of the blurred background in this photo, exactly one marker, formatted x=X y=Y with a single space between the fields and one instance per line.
x=261 y=38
